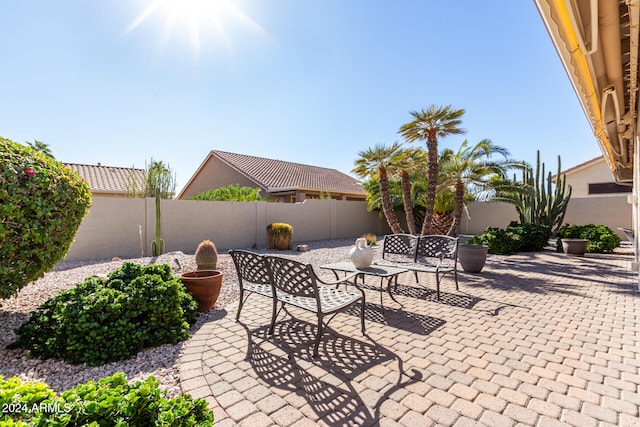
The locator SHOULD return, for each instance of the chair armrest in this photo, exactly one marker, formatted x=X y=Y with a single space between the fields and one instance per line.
x=338 y=281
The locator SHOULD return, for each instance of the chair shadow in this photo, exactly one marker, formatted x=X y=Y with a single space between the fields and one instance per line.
x=427 y=294
x=398 y=318
x=328 y=391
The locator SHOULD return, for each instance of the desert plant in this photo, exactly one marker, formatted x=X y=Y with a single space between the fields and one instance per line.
x=42 y=204
x=110 y=401
x=279 y=236
x=107 y=319
x=206 y=255
x=601 y=238
x=538 y=202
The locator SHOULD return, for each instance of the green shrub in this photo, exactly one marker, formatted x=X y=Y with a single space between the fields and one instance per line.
x=105 y=320
x=109 y=402
x=601 y=238
x=533 y=237
x=500 y=241
x=42 y=204
x=231 y=193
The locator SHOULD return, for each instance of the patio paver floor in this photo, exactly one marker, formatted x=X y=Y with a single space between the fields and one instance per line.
x=535 y=339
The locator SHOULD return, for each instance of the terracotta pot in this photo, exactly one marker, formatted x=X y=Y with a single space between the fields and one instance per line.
x=472 y=257
x=205 y=286
x=575 y=247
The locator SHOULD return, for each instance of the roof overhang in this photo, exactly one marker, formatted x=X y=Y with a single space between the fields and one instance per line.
x=597 y=42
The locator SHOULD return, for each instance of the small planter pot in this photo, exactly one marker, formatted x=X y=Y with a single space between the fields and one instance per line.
x=575 y=247
x=472 y=257
x=205 y=286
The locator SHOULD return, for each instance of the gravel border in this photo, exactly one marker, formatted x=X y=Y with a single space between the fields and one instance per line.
x=161 y=362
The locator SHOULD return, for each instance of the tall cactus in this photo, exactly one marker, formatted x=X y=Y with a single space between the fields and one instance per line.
x=157 y=246
x=540 y=203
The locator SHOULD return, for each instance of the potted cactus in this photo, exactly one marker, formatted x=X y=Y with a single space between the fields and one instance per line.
x=204 y=283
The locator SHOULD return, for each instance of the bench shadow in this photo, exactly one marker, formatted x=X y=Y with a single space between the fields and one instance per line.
x=398 y=318
x=326 y=383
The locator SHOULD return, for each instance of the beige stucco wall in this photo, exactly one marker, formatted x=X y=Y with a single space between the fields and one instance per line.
x=112 y=227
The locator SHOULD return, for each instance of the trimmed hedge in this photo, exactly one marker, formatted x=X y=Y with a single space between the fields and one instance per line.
x=109 y=402
x=106 y=320
x=601 y=238
x=42 y=204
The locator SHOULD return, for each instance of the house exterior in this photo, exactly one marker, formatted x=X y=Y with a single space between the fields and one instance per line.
x=598 y=43
x=278 y=180
x=110 y=181
x=594 y=179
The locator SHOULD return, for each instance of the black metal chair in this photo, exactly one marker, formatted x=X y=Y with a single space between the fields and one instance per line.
x=436 y=254
x=253 y=276
x=398 y=249
x=297 y=284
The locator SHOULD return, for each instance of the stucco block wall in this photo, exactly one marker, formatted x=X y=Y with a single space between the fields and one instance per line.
x=111 y=229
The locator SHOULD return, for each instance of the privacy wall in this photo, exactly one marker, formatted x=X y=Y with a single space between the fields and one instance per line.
x=125 y=228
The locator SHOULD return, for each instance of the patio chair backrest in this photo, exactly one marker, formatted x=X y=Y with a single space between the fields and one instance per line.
x=399 y=247
x=292 y=277
x=437 y=246
x=251 y=267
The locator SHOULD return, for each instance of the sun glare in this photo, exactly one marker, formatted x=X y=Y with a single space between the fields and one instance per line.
x=195 y=20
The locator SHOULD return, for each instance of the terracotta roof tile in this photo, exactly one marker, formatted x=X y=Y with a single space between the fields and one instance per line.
x=111 y=179
x=273 y=174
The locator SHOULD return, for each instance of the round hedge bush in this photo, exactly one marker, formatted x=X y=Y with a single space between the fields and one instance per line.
x=42 y=204
x=106 y=320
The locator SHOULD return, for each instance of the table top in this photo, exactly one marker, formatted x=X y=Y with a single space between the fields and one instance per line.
x=374 y=270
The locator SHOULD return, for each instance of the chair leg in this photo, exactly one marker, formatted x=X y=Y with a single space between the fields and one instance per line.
x=273 y=316
x=362 y=316
x=416 y=274
x=240 y=303
x=438 y=286
x=455 y=276
x=318 y=337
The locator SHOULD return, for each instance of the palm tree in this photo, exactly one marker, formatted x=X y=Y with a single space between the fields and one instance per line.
x=374 y=163
x=470 y=170
x=41 y=147
x=429 y=124
x=411 y=162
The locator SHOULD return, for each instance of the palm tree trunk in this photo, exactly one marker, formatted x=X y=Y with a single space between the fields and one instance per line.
x=387 y=207
x=457 y=213
x=432 y=176
x=406 y=199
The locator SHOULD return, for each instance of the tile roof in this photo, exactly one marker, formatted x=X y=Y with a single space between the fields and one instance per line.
x=108 y=179
x=277 y=174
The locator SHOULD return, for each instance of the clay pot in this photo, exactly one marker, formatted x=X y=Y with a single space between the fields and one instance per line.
x=575 y=247
x=472 y=257
x=205 y=286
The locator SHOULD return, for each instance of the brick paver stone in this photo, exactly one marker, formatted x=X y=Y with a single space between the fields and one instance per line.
x=535 y=339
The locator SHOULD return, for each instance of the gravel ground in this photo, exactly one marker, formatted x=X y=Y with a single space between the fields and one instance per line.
x=161 y=362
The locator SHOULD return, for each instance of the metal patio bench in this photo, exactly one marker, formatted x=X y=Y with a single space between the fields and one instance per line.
x=297 y=284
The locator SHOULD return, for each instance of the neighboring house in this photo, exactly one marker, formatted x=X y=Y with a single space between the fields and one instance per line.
x=593 y=178
x=278 y=180
x=110 y=181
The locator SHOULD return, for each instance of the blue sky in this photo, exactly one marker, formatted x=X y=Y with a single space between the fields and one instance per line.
x=122 y=81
